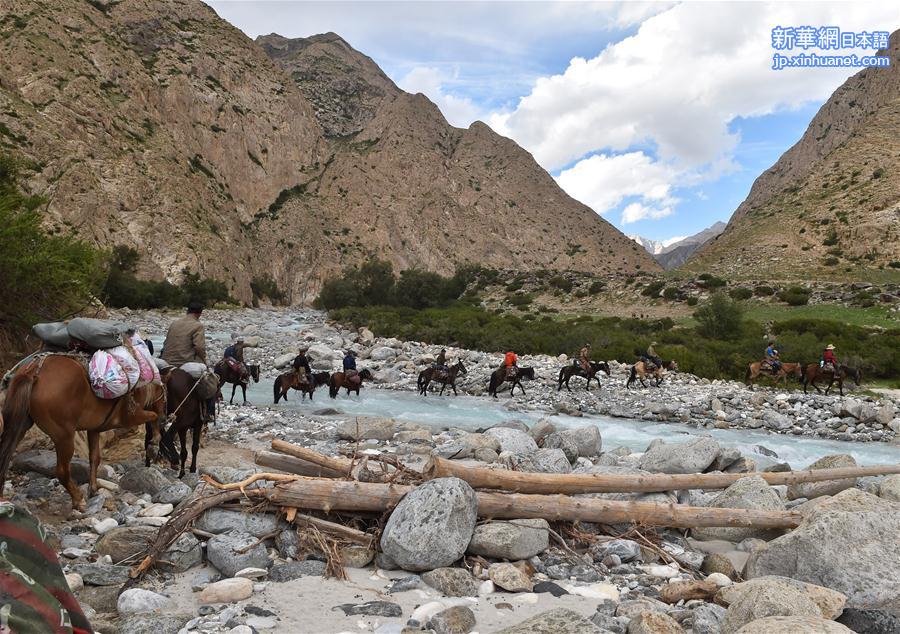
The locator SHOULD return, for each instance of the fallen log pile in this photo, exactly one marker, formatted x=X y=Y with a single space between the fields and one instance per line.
x=327 y=485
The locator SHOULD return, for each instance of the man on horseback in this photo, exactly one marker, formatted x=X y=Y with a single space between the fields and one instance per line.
x=584 y=357
x=440 y=364
x=301 y=365
x=771 y=361
x=350 y=367
x=511 y=364
x=652 y=357
x=234 y=357
x=829 y=361
x=186 y=343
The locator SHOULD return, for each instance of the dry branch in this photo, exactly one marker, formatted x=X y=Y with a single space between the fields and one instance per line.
x=523 y=482
x=336 y=495
x=340 y=465
x=298 y=466
x=339 y=530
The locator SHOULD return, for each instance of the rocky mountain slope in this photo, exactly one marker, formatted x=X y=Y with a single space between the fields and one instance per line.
x=830 y=206
x=157 y=125
x=677 y=254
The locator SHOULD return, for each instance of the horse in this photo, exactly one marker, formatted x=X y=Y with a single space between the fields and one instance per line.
x=284 y=382
x=568 y=371
x=754 y=370
x=815 y=371
x=639 y=370
x=428 y=375
x=54 y=393
x=185 y=411
x=227 y=374
x=498 y=378
x=339 y=380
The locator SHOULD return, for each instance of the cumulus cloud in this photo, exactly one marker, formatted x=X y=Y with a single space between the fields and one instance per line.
x=459 y=111
x=638 y=211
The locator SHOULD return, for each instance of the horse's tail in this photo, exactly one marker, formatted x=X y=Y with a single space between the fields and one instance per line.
x=16 y=418
x=747 y=375
x=631 y=377
x=277 y=389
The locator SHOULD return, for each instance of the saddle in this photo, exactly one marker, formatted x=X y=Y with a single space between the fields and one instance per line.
x=352 y=377
x=828 y=367
x=511 y=372
x=441 y=372
x=235 y=365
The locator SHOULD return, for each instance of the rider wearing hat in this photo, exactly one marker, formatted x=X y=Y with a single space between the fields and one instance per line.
x=584 y=357
x=829 y=361
x=651 y=354
x=301 y=364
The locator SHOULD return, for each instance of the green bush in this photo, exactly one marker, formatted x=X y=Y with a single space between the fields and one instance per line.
x=831 y=239
x=44 y=277
x=671 y=293
x=692 y=301
x=794 y=296
x=519 y=300
x=598 y=286
x=652 y=289
x=265 y=287
x=719 y=318
x=830 y=261
x=763 y=291
x=560 y=282
x=740 y=293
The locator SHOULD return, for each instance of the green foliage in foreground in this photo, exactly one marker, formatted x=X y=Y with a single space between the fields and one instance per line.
x=466 y=324
x=42 y=276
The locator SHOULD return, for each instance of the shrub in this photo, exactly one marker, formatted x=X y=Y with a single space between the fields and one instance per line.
x=763 y=291
x=895 y=264
x=652 y=289
x=707 y=280
x=719 y=318
x=830 y=261
x=671 y=293
x=560 y=282
x=598 y=286
x=740 y=293
x=692 y=301
x=43 y=276
x=520 y=300
x=831 y=239
x=794 y=296
x=264 y=287
x=878 y=172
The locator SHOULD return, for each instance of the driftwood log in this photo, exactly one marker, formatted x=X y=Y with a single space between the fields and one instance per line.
x=338 y=495
x=338 y=464
x=298 y=466
x=524 y=482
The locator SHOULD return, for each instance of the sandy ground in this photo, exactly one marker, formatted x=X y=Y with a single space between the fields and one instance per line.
x=319 y=596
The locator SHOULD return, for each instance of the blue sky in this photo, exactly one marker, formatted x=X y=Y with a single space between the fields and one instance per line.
x=659 y=116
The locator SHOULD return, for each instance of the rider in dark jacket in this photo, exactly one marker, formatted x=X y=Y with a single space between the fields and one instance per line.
x=301 y=364
x=350 y=361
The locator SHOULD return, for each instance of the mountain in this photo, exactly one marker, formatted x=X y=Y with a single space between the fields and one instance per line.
x=157 y=125
x=830 y=206
x=674 y=252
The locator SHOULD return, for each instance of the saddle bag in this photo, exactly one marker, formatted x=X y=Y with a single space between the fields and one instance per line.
x=54 y=334
x=111 y=376
x=208 y=385
x=99 y=334
x=195 y=369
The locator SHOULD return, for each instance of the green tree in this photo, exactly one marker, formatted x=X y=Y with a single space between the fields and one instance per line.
x=719 y=318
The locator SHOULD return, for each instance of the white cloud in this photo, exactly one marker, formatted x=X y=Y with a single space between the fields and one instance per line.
x=459 y=111
x=638 y=211
x=602 y=181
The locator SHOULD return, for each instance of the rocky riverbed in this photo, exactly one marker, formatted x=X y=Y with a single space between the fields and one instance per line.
x=436 y=567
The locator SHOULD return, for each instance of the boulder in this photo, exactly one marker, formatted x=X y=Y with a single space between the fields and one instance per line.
x=693 y=456
x=227 y=591
x=223 y=553
x=126 y=542
x=513 y=540
x=218 y=521
x=747 y=493
x=452 y=582
x=432 y=525
x=793 y=625
x=558 y=440
x=321 y=357
x=182 y=555
x=365 y=335
x=885 y=414
x=871 y=621
x=544 y=461
x=654 y=623
x=707 y=618
x=367 y=428
x=102 y=574
x=285 y=360
x=456 y=620
x=382 y=353
x=136 y=600
x=767 y=599
x=147 y=623
x=554 y=622
x=889 y=489
x=812 y=490
x=144 y=480
x=296 y=569
x=829 y=602
x=370 y=608
x=173 y=494
x=625 y=549
x=847 y=543
x=44 y=462
x=512 y=440
x=586 y=438
x=541 y=430
x=510 y=578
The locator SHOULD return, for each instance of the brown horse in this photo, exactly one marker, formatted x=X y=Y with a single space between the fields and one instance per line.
x=54 y=393
x=501 y=376
x=814 y=371
x=340 y=380
x=568 y=371
x=640 y=369
x=284 y=382
x=185 y=412
x=227 y=374
x=428 y=375
x=755 y=370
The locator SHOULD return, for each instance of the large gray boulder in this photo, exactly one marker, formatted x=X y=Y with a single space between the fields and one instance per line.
x=693 y=456
x=218 y=521
x=747 y=493
x=829 y=602
x=511 y=539
x=452 y=582
x=889 y=489
x=847 y=543
x=812 y=490
x=586 y=438
x=231 y=552
x=144 y=480
x=513 y=440
x=432 y=525
x=545 y=461
x=126 y=542
x=564 y=443
x=763 y=600
x=366 y=428
x=44 y=462
x=793 y=625
x=182 y=555
x=554 y=622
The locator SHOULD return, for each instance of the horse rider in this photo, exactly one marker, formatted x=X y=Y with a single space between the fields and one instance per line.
x=350 y=366
x=440 y=364
x=829 y=361
x=234 y=356
x=301 y=365
x=584 y=357
x=772 y=358
x=510 y=364
x=186 y=343
x=652 y=356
